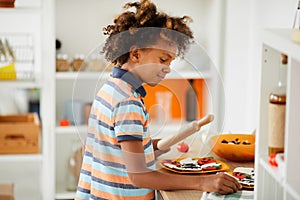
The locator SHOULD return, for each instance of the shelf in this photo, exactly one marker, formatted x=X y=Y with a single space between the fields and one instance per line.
x=79 y=132
x=62 y=193
x=273 y=171
x=21 y=158
x=70 y=129
x=280 y=39
x=189 y=74
x=81 y=75
x=65 y=195
x=22 y=84
x=163 y=128
x=154 y=127
x=21 y=9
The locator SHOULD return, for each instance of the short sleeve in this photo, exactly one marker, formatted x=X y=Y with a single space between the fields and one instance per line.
x=129 y=120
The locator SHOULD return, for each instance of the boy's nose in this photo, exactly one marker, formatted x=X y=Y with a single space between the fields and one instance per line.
x=166 y=69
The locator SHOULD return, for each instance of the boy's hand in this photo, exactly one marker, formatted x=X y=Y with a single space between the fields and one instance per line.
x=157 y=151
x=221 y=183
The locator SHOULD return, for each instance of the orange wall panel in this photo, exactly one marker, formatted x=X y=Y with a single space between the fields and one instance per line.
x=178 y=88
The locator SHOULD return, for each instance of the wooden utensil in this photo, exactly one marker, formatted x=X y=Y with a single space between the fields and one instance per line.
x=194 y=126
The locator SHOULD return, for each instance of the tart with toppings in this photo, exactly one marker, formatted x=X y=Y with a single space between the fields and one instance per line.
x=194 y=165
x=244 y=176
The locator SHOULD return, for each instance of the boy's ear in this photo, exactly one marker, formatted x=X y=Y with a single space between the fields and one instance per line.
x=134 y=54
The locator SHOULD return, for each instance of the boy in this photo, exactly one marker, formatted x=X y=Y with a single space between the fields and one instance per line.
x=119 y=161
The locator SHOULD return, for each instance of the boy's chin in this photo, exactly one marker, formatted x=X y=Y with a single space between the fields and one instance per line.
x=152 y=84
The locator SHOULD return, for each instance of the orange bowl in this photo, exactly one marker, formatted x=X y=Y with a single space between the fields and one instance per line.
x=234 y=147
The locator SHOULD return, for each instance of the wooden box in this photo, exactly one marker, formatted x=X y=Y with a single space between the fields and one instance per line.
x=19 y=134
x=6 y=191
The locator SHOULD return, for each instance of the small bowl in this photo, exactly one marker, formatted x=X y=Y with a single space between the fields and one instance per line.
x=234 y=147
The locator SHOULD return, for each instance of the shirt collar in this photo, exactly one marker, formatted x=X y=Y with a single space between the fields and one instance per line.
x=130 y=79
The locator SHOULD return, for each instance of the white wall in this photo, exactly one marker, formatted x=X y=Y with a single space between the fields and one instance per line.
x=79 y=23
x=244 y=22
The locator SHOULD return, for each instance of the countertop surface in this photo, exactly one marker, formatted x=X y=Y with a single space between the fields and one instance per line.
x=198 y=148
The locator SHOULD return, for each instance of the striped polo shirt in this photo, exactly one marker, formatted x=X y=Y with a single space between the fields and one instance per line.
x=118 y=113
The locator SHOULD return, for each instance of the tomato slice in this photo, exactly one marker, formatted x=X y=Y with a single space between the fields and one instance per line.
x=209 y=168
x=239 y=175
x=272 y=160
x=183 y=147
x=177 y=164
x=206 y=160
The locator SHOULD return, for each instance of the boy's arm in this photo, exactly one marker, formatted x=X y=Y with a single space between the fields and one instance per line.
x=143 y=177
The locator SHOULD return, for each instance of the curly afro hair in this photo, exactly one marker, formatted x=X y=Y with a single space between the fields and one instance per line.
x=143 y=28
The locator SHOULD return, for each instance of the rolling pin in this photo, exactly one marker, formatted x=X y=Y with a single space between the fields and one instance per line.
x=194 y=126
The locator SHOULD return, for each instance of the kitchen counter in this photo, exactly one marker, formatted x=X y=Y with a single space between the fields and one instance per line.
x=197 y=149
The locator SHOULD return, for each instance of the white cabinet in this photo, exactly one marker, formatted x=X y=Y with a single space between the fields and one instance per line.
x=272 y=182
x=32 y=174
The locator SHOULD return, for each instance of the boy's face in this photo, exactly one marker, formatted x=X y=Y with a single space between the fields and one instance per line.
x=154 y=62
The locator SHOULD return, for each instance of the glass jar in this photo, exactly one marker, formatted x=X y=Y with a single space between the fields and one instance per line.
x=62 y=63
x=78 y=63
x=277 y=104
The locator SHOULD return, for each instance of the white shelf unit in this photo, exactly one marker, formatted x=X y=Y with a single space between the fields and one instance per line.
x=283 y=181
x=32 y=174
x=21 y=158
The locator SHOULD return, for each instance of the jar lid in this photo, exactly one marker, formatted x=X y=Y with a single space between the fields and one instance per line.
x=284 y=59
x=79 y=56
x=277 y=98
x=62 y=56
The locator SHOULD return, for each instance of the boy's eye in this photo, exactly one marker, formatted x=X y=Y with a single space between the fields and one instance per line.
x=163 y=60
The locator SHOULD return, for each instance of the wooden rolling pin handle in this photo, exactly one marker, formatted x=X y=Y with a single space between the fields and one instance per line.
x=194 y=126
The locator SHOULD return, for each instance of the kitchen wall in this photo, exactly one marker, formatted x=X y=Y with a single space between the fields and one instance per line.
x=229 y=30
x=244 y=22
x=79 y=23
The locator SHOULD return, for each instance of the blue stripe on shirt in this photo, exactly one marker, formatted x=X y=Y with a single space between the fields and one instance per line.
x=117 y=88
x=118 y=188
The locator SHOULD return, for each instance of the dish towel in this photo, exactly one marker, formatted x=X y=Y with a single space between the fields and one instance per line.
x=241 y=195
